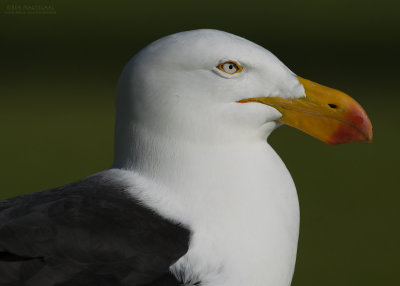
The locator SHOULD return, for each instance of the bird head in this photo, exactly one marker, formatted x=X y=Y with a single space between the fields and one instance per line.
x=212 y=86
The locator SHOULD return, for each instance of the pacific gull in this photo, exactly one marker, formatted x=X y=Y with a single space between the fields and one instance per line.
x=196 y=195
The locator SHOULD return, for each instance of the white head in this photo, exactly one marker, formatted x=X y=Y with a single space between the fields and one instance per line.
x=176 y=88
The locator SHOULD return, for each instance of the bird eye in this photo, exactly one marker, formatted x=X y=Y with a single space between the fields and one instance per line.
x=230 y=67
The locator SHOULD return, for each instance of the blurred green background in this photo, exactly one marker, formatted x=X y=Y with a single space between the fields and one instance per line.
x=60 y=61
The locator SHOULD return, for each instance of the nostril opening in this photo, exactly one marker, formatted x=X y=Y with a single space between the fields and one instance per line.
x=331 y=105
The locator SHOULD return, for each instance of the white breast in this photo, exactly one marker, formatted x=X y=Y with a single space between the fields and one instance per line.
x=239 y=202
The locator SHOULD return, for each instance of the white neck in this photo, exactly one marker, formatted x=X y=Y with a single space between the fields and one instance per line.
x=238 y=199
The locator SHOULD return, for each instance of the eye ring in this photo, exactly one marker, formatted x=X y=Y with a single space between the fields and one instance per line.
x=230 y=67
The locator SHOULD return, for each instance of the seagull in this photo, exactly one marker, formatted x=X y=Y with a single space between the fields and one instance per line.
x=195 y=195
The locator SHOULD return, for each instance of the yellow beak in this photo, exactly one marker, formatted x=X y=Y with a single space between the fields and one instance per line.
x=325 y=113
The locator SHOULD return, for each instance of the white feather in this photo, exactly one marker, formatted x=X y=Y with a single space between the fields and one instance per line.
x=196 y=156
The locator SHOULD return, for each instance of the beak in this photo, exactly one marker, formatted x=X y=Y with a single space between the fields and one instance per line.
x=325 y=113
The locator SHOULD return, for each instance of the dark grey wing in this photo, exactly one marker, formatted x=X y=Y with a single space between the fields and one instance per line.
x=87 y=233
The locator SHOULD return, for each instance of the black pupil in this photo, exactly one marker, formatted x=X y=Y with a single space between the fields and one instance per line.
x=230 y=66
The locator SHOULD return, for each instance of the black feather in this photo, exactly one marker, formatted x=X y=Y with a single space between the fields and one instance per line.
x=87 y=233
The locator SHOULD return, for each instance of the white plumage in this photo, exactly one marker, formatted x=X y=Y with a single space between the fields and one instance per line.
x=202 y=159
